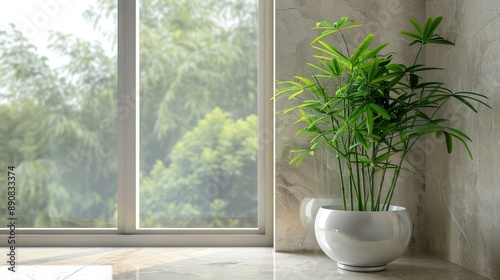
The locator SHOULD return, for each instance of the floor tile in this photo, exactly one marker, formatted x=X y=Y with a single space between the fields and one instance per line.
x=212 y=263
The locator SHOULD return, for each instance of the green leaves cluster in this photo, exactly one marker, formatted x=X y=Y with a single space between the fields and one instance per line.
x=370 y=110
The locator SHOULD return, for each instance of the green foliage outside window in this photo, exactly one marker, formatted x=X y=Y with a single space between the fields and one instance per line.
x=58 y=121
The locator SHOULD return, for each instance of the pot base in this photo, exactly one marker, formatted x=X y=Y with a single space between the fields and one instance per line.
x=361 y=268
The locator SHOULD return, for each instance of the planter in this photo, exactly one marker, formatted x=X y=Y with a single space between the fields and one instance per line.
x=363 y=240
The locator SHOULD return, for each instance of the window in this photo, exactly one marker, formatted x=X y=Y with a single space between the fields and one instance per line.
x=57 y=89
x=151 y=125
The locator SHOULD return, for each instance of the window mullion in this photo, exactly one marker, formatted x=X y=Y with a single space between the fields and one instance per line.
x=128 y=100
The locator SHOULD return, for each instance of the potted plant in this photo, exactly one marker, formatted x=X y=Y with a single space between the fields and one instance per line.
x=370 y=111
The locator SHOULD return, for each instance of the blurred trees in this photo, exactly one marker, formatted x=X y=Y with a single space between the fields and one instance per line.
x=198 y=80
x=51 y=129
x=211 y=180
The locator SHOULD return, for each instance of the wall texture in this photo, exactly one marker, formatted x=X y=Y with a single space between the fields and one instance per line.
x=463 y=195
x=294 y=186
x=454 y=201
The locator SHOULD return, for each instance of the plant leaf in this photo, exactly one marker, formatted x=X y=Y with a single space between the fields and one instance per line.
x=329 y=49
x=413 y=80
x=361 y=139
x=373 y=52
x=416 y=25
x=459 y=133
x=449 y=142
x=369 y=120
x=430 y=26
x=300 y=157
x=386 y=77
x=412 y=35
x=384 y=157
x=380 y=110
x=361 y=48
x=373 y=69
x=323 y=34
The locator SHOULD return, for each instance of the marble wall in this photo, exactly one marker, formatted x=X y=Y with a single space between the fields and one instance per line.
x=316 y=176
x=454 y=201
x=463 y=195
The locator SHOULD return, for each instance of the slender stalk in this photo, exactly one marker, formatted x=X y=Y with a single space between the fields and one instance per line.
x=388 y=199
x=356 y=158
x=363 y=179
x=382 y=179
x=326 y=179
x=407 y=148
x=418 y=53
x=352 y=182
x=342 y=181
x=345 y=43
x=372 y=176
x=405 y=144
x=351 y=195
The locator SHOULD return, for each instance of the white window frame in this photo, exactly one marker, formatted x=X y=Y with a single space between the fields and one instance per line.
x=127 y=233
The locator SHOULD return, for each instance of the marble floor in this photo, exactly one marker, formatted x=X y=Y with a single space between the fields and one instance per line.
x=210 y=263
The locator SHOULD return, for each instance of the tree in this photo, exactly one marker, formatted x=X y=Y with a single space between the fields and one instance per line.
x=212 y=174
x=52 y=133
x=58 y=122
x=192 y=62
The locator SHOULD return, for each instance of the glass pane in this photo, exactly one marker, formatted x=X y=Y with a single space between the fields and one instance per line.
x=57 y=106
x=198 y=114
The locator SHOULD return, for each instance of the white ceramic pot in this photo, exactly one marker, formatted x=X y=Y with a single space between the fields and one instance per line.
x=363 y=240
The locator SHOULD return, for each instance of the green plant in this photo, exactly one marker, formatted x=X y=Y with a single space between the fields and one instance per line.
x=371 y=111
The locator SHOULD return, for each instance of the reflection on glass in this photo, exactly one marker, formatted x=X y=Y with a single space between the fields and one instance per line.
x=198 y=114
x=57 y=100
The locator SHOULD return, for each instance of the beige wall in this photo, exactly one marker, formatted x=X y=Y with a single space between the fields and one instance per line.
x=454 y=202
x=463 y=195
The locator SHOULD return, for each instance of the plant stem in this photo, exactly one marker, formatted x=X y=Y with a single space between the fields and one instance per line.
x=418 y=53
x=388 y=199
x=341 y=181
x=363 y=180
x=352 y=182
x=406 y=149
x=345 y=43
x=383 y=176
x=357 y=171
x=372 y=175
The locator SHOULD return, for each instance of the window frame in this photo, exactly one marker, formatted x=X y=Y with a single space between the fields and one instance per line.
x=127 y=232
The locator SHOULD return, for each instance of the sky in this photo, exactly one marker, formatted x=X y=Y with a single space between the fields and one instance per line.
x=35 y=17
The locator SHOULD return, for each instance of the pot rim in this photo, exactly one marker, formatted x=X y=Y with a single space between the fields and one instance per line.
x=336 y=207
